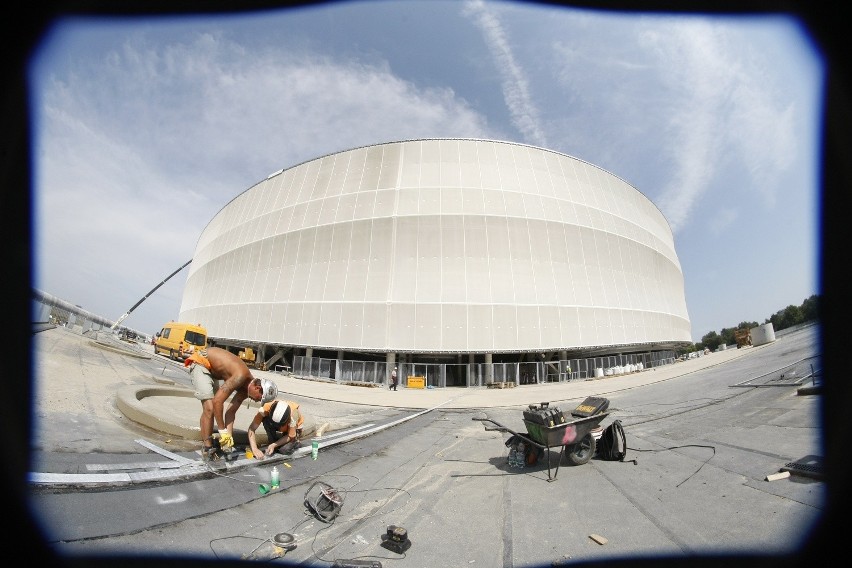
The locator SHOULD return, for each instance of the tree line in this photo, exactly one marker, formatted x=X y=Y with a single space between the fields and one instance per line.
x=790 y=316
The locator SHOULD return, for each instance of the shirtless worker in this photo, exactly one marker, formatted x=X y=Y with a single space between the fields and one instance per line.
x=216 y=374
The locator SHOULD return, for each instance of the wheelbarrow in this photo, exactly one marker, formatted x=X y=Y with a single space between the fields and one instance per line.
x=570 y=432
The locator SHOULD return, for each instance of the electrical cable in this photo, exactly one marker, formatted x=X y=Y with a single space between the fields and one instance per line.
x=675 y=448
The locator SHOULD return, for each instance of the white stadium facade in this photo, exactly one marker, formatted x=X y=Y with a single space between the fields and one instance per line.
x=464 y=262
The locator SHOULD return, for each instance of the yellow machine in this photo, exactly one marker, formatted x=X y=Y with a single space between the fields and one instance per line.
x=743 y=337
x=247 y=355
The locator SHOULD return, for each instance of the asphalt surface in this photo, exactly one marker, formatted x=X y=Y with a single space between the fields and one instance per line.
x=704 y=438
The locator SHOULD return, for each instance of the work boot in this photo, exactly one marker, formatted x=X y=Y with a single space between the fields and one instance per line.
x=210 y=454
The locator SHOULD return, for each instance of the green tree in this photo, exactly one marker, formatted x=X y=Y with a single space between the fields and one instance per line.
x=810 y=308
x=727 y=336
x=788 y=317
x=711 y=341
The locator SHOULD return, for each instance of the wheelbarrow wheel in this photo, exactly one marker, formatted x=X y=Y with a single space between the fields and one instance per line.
x=582 y=451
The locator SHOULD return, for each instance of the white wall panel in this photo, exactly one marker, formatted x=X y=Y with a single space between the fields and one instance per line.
x=499 y=262
x=528 y=327
x=365 y=205
x=349 y=179
x=368 y=179
x=453 y=269
x=277 y=322
x=329 y=328
x=480 y=327
x=379 y=275
x=311 y=322
x=320 y=258
x=402 y=325
x=550 y=328
x=454 y=325
x=428 y=326
x=355 y=321
x=506 y=166
x=389 y=178
x=405 y=279
x=505 y=325
x=355 y=288
x=452 y=202
x=494 y=203
x=427 y=279
x=319 y=184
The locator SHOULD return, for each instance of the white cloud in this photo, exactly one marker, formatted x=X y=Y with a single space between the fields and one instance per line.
x=516 y=91
x=723 y=115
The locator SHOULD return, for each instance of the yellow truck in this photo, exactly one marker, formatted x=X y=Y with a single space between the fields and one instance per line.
x=179 y=339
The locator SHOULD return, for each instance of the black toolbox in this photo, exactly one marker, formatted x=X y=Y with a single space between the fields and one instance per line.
x=545 y=415
x=591 y=406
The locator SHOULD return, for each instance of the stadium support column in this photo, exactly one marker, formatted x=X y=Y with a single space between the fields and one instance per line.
x=489 y=369
x=564 y=369
x=390 y=363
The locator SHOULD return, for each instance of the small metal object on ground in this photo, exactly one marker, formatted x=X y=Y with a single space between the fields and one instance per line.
x=598 y=539
x=324 y=502
x=808 y=466
x=285 y=541
x=396 y=539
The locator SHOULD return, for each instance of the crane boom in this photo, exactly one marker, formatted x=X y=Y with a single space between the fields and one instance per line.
x=154 y=289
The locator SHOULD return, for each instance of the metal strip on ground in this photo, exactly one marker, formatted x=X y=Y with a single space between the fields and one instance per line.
x=164 y=452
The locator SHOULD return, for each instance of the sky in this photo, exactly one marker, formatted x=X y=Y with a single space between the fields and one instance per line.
x=143 y=128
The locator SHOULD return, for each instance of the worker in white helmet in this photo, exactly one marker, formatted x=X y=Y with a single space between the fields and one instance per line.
x=283 y=422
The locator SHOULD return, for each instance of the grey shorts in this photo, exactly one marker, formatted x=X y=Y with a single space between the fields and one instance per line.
x=203 y=381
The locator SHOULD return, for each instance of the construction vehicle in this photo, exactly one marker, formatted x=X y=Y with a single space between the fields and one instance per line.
x=247 y=356
x=179 y=339
x=742 y=337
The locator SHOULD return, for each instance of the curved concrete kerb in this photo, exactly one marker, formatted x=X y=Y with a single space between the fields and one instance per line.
x=137 y=403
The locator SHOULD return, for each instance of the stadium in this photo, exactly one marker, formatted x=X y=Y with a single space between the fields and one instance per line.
x=464 y=262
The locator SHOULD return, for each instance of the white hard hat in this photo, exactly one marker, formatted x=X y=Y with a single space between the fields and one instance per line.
x=281 y=412
x=270 y=391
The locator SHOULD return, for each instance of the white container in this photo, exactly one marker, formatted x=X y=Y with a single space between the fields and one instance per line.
x=762 y=334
